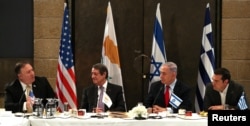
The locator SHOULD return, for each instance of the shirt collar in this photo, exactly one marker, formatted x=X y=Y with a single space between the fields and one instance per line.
x=225 y=90
x=172 y=85
x=24 y=85
x=104 y=85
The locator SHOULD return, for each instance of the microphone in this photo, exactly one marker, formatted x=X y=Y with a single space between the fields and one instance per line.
x=94 y=107
x=156 y=97
x=19 y=102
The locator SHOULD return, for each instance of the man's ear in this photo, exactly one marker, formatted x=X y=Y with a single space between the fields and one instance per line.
x=226 y=81
x=18 y=75
x=105 y=74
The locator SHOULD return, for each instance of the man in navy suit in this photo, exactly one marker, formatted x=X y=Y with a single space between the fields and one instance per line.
x=91 y=95
x=223 y=91
x=16 y=95
x=156 y=97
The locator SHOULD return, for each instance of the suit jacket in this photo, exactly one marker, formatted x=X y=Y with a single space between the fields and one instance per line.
x=90 y=97
x=212 y=97
x=15 y=96
x=156 y=95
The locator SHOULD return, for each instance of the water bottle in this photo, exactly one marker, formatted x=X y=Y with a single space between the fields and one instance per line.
x=50 y=108
x=38 y=107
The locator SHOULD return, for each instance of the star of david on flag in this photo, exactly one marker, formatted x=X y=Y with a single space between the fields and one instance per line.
x=157 y=66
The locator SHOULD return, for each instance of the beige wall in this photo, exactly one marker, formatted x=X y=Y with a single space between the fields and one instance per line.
x=47 y=26
x=236 y=40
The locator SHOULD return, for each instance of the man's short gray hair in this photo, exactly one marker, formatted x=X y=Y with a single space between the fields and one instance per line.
x=172 y=66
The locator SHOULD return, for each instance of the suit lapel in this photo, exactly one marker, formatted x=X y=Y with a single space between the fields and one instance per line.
x=176 y=88
x=230 y=94
x=108 y=90
x=93 y=99
x=20 y=90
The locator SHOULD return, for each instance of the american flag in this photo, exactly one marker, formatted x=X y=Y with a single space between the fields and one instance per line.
x=207 y=61
x=65 y=81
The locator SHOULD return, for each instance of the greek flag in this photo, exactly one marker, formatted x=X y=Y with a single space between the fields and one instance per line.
x=207 y=61
x=175 y=101
x=242 y=102
x=158 y=55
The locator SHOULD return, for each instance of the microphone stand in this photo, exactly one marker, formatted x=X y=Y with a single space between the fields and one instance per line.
x=156 y=97
x=19 y=102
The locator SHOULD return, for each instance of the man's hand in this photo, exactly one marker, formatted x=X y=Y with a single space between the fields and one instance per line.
x=97 y=110
x=157 y=109
x=216 y=107
x=29 y=104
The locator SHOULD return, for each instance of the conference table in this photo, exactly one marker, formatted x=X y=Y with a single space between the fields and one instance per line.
x=107 y=121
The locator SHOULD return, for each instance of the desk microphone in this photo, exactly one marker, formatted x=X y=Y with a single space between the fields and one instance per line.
x=157 y=95
x=19 y=102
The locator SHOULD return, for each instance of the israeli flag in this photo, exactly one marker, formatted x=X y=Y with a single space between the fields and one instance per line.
x=242 y=102
x=158 y=54
x=175 y=101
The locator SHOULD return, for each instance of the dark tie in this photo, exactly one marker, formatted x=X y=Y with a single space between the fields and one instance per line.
x=100 y=103
x=167 y=95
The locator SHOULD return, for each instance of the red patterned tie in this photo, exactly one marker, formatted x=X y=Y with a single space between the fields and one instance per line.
x=167 y=95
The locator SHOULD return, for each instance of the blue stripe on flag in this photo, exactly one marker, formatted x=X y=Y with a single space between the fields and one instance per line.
x=203 y=72
x=199 y=99
x=158 y=33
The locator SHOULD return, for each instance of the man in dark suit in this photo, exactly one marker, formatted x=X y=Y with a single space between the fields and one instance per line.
x=16 y=95
x=91 y=96
x=222 y=92
x=156 y=97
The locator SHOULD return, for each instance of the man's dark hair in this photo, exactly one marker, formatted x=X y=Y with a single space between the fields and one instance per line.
x=224 y=72
x=20 y=65
x=102 y=68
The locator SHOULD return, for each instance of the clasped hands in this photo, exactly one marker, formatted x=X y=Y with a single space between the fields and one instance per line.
x=220 y=107
x=156 y=109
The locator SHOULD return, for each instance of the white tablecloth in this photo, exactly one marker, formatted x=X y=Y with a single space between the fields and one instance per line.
x=14 y=121
x=34 y=121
